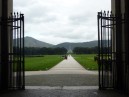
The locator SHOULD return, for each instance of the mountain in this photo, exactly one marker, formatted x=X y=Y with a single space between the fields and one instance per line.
x=71 y=46
x=31 y=42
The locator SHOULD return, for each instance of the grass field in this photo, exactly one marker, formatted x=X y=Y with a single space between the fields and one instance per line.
x=87 y=61
x=41 y=63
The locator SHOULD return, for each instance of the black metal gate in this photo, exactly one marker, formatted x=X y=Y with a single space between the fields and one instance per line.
x=106 y=53
x=15 y=64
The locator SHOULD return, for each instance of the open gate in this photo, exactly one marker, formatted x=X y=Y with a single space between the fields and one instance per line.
x=113 y=50
x=106 y=51
x=12 y=77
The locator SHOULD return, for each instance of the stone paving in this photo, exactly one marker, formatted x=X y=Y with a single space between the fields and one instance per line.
x=67 y=79
x=67 y=73
x=62 y=92
x=62 y=80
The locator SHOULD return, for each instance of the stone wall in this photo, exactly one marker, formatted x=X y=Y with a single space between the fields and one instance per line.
x=120 y=7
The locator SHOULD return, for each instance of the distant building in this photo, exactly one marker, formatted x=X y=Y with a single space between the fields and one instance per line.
x=69 y=50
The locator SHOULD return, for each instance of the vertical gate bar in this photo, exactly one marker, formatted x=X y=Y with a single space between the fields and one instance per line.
x=108 y=49
x=20 y=50
x=17 y=51
x=23 y=64
x=102 y=47
x=12 y=58
x=114 y=52
x=101 y=53
x=108 y=27
x=98 y=18
x=105 y=35
x=15 y=34
x=110 y=45
x=15 y=61
x=19 y=61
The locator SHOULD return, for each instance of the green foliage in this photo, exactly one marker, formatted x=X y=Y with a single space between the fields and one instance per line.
x=89 y=44
x=44 y=51
x=41 y=63
x=85 y=50
x=86 y=60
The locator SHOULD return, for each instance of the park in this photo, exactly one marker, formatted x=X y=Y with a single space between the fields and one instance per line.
x=63 y=66
x=48 y=61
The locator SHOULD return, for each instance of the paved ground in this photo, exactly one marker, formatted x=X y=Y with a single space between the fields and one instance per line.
x=67 y=79
x=63 y=92
x=67 y=73
x=62 y=80
x=69 y=66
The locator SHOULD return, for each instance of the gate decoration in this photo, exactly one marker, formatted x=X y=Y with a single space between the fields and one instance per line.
x=16 y=75
x=106 y=49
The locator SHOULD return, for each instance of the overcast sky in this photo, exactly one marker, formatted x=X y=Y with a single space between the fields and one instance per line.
x=57 y=21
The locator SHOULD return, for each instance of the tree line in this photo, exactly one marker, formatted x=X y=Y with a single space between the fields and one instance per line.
x=57 y=51
x=85 y=50
x=42 y=51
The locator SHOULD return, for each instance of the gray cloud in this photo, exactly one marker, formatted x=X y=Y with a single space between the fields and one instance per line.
x=57 y=21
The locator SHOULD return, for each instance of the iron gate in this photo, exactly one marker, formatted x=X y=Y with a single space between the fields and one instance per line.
x=106 y=53
x=15 y=64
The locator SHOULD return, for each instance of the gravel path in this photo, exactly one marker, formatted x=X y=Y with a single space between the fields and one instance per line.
x=69 y=66
x=67 y=73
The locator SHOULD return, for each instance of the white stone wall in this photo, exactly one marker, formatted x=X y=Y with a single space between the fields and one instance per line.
x=113 y=6
x=10 y=6
x=114 y=34
x=10 y=35
x=122 y=6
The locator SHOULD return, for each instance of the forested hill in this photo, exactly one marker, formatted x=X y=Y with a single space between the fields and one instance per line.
x=71 y=46
x=32 y=42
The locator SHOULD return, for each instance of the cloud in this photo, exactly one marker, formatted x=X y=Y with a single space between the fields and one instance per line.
x=57 y=21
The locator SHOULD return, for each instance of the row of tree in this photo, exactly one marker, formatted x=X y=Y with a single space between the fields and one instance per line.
x=43 y=51
x=85 y=50
x=57 y=51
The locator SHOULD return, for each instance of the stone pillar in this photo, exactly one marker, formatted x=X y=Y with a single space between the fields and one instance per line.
x=127 y=41
x=5 y=36
x=114 y=30
x=113 y=6
x=122 y=42
x=0 y=26
x=10 y=33
x=10 y=7
x=118 y=42
x=4 y=47
x=0 y=7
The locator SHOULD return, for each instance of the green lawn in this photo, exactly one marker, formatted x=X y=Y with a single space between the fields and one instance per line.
x=87 y=61
x=41 y=63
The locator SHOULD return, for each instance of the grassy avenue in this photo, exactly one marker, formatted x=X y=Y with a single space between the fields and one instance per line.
x=37 y=63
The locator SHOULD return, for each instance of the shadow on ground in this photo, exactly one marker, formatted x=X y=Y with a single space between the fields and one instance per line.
x=62 y=93
x=62 y=80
